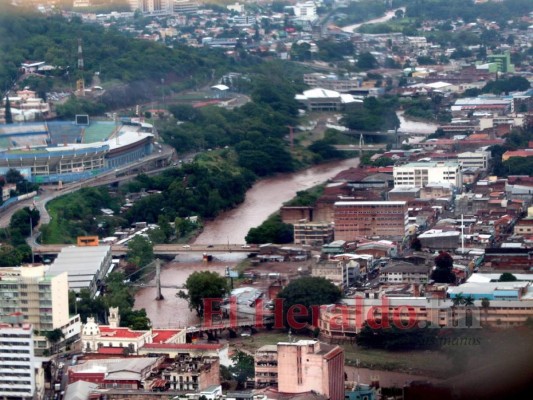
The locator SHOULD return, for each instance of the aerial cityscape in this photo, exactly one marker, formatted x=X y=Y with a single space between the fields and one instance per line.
x=263 y=200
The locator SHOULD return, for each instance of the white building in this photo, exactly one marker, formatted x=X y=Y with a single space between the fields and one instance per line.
x=17 y=366
x=305 y=11
x=152 y=7
x=30 y=295
x=474 y=159
x=419 y=174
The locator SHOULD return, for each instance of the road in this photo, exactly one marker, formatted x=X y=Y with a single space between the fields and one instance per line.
x=120 y=174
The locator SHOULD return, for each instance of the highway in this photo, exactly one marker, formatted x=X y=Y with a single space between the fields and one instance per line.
x=124 y=173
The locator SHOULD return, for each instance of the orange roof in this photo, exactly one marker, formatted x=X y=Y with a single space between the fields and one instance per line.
x=182 y=346
x=120 y=332
x=162 y=335
x=476 y=136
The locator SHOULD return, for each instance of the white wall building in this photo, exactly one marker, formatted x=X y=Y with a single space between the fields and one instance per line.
x=474 y=159
x=305 y=11
x=152 y=7
x=17 y=362
x=28 y=294
x=419 y=174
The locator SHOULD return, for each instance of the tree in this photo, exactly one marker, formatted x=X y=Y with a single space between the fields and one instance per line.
x=7 y=111
x=367 y=61
x=54 y=337
x=201 y=285
x=307 y=293
x=242 y=368
x=140 y=251
x=443 y=271
x=273 y=230
x=398 y=338
x=507 y=277
x=21 y=221
x=416 y=244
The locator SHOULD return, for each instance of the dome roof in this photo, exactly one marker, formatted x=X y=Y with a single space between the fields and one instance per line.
x=90 y=328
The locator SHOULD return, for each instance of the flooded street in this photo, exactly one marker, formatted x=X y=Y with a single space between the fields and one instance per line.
x=265 y=198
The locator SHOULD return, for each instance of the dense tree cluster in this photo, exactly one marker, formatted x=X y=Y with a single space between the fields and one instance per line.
x=396 y=337
x=273 y=230
x=202 y=285
x=376 y=114
x=443 y=269
x=303 y=296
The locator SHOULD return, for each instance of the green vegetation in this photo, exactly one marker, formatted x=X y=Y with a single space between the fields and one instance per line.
x=517 y=139
x=507 y=277
x=79 y=214
x=302 y=298
x=306 y=197
x=116 y=294
x=398 y=338
x=376 y=114
x=203 y=285
x=360 y=11
x=514 y=83
x=243 y=368
x=273 y=230
x=14 y=249
x=443 y=271
x=426 y=109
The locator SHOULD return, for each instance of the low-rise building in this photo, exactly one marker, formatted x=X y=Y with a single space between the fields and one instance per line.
x=404 y=272
x=193 y=373
x=96 y=337
x=314 y=234
x=474 y=159
x=266 y=366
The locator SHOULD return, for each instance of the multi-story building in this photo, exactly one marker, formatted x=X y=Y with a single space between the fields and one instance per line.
x=17 y=362
x=152 y=7
x=193 y=373
x=341 y=273
x=474 y=159
x=40 y=299
x=360 y=219
x=300 y=367
x=305 y=11
x=314 y=234
x=185 y=6
x=266 y=366
x=419 y=174
x=403 y=272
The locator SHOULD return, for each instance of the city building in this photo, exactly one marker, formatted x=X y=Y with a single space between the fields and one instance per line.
x=193 y=373
x=266 y=366
x=301 y=367
x=305 y=11
x=502 y=61
x=319 y=99
x=30 y=295
x=314 y=234
x=102 y=338
x=474 y=159
x=87 y=266
x=177 y=350
x=115 y=373
x=332 y=82
x=152 y=7
x=419 y=174
x=185 y=6
x=404 y=272
x=437 y=239
x=17 y=362
x=342 y=273
x=367 y=219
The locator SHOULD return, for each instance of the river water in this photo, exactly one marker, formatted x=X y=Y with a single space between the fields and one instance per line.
x=265 y=198
x=389 y=15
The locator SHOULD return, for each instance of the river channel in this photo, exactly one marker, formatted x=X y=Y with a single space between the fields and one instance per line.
x=265 y=198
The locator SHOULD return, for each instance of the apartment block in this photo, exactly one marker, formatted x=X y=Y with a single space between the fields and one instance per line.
x=313 y=234
x=419 y=174
x=266 y=366
x=360 y=219
x=17 y=362
x=29 y=295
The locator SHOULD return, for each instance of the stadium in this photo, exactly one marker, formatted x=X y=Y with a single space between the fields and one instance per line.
x=62 y=151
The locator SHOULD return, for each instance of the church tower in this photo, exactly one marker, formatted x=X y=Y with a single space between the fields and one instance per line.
x=114 y=317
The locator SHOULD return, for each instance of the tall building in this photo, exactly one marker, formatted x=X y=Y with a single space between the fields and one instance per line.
x=30 y=295
x=152 y=7
x=419 y=174
x=17 y=362
x=308 y=365
x=360 y=219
